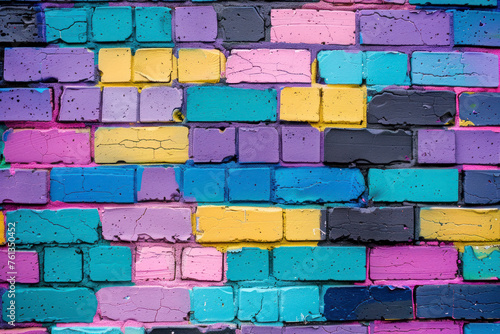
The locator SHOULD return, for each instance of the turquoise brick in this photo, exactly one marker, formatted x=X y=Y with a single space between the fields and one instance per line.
x=110 y=264
x=134 y=330
x=414 y=185
x=212 y=304
x=319 y=263
x=386 y=68
x=204 y=185
x=67 y=25
x=87 y=330
x=473 y=27
x=153 y=24
x=455 y=2
x=62 y=265
x=112 y=24
x=247 y=264
x=52 y=305
x=249 y=184
x=299 y=304
x=58 y=226
x=226 y=104
x=482 y=328
x=481 y=262
x=258 y=305
x=341 y=67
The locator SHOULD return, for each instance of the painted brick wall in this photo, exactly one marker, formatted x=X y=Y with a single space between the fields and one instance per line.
x=250 y=167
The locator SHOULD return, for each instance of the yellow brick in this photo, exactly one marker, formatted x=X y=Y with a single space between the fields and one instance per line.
x=154 y=65
x=2 y=229
x=141 y=145
x=456 y=224
x=115 y=65
x=304 y=225
x=344 y=105
x=199 y=65
x=300 y=104
x=235 y=224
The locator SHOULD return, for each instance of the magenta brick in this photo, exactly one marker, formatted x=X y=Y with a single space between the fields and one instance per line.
x=25 y=104
x=384 y=27
x=158 y=104
x=25 y=266
x=195 y=24
x=436 y=147
x=268 y=66
x=413 y=262
x=477 y=147
x=213 y=145
x=300 y=144
x=202 y=264
x=151 y=223
x=154 y=263
x=120 y=104
x=157 y=184
x=144 y=303
x=417 y=327
x=48 y=64
x=24 y=186
x=80 y=104
x=47 y=146
x=259 y=144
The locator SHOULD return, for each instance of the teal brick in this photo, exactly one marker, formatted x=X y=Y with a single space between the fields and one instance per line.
x=299 y=304
x=319 y=263
x=455 y=2
x=153 y=24
x=481 y=262
x=134 y=330
x=204 y=185
x=212 y=304
x=341 y=67
x=62 y=265
x=112 y=24
x=473 y=27
x=110 y=264
x=258 y=305
x=86 y=330
x=249 y=184
x=482 y=328
x=247 y=264
x=414 y=185
x=55 y=226
x=228 y=104
x=52 y=305
x=68 y=25
x=386 y=68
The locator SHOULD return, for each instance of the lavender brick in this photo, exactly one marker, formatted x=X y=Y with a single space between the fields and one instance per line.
x=329 y=329
x=300 y=144
x=20 y=25
x=157 y=184
x=482 y=186
x=213 y=145
x=24 y=186
x=80 y=104
x=25 y=104
x=477 y=147
x=120 y=104
x=259 y=144
x=436 y=147
x=158 y=104
x=195 y=24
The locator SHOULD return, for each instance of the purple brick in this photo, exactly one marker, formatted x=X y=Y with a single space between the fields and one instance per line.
x=195 y=24
x=384 y=27
x=477 y=147
x=259 y=144
x=24 y=186
x=80 y=104
x=213 y=145
x=25 y=104
x=436 y=147
x=251 y=329
x=120 y=104
x=157 y=184
x=49 y=64
x=158 y=104
x=26 y=267
x=300 y=144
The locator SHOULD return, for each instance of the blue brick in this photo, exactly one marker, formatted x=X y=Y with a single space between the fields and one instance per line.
x=93 y=184
x=225 y=104
x=153 y=24
x=480 y=109
x=321 y=184
x=110 y=264
x=112 y=24
x=319 y=263
x=481 y=187
x=59 y=226
x=482 y=328
x=481 y=263
x=472 y=27
x=86 y=330
x=52 y=305
x=455 y=2
x=258 y=305
x=299 y=304
x=386 y=68
x=463 y=69
x=204 y=185
x=68 y=25
x=247 y=264
x=249 y=184
x=212 y=304
x=341 y=67
x=414 y=185
x=368 y=303
x=62 y=265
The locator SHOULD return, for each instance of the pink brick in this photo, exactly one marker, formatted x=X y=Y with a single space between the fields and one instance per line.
x=417 y=327
x=202 y=264
x=269 y=66
x=144 y=303
x=48 y=146
x=154 y=263
x=313 y=26
x=25 y=265
x=413 y=262
x=151 y=223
